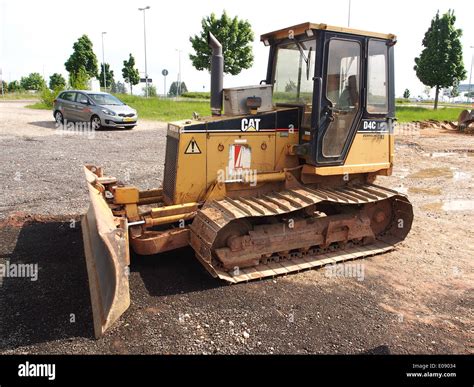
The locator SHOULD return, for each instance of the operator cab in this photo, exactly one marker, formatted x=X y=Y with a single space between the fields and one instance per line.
x=341 y=80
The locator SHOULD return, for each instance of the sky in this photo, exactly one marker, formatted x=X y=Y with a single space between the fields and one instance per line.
x=37 y=36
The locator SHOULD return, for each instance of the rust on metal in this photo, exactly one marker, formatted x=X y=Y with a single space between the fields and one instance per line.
x=370 y=220
x=465 y=119
x=107 y=258
x=154 y=242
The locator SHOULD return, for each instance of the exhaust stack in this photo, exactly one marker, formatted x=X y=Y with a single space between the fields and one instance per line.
x=217 y=74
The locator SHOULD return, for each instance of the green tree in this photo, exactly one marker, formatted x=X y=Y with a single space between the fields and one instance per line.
x=57 y=81
x=469 y=94
x=80 y=79
x=151 y=90
x=4 y=86
x=34 y=81
x=235 y=36
x=48 y=96
x=14 y=86
x=129 y=73
x=82 y=59
x=109 y=75
x=406 y=94
x=120 y=88
x=440 y=64
x=175 y=90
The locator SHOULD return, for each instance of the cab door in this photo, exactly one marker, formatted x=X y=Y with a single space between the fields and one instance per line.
x=342 y=80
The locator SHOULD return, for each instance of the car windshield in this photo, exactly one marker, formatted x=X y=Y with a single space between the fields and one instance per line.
x=105 y=99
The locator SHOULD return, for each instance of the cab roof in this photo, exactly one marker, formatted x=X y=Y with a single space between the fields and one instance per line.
x=300 y=29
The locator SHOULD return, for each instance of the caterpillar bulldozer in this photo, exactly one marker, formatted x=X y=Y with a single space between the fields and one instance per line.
x=280 y=179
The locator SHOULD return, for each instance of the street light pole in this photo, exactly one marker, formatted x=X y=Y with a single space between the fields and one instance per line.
x=144 y=36
x=349 y=15
x=103 y=62
x=178 y=88
x=470 y=76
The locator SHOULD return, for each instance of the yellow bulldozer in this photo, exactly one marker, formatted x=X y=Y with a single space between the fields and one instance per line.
x=280 y=179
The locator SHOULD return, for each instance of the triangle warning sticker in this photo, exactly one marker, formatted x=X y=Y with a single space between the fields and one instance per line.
x=192 y=148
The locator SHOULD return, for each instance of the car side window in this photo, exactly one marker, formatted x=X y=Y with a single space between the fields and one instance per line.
x=69 y=96
x=81 y=98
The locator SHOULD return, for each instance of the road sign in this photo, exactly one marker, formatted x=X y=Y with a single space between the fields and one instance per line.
x=143 y=80
x=164 y=73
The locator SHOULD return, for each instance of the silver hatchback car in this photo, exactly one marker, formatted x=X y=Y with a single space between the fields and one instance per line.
x=100 y=109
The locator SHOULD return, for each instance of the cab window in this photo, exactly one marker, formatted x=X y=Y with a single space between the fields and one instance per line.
x=343 y=74
x=377 y=95
x=293 y=75
x=343 y=92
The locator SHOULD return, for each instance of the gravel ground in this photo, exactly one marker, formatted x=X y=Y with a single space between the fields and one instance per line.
x=42 y=167
x=416 y=299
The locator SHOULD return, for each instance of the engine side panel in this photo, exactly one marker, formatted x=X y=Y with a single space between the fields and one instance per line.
x=225 y=149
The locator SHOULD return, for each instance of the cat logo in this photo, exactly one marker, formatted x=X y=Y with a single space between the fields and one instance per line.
x=250 y=124
x=192 y=148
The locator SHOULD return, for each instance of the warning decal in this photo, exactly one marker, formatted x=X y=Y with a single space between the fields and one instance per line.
x=192 y=148
x=239 y=158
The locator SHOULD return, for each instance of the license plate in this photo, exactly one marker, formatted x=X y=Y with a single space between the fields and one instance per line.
x=127 y=119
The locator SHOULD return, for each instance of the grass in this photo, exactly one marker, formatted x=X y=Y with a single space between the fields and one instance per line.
x=197 y=95
x=17 y=96
x=415 y=113
x=39 y=105
x=171 y=110
x=155 y=108
x=165 y=109
x=445 y=104
x=400 y=101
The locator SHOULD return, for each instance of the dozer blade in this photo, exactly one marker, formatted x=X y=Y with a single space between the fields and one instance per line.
x=107 y=258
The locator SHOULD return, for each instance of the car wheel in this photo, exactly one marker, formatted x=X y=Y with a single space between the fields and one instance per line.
x=129 y=127
x=58 y=116
x=95 y=123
